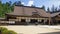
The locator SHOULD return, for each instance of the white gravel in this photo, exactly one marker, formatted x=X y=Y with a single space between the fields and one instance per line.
x=32 y=29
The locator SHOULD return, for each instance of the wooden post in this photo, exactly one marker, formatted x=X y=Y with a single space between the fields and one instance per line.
x=44 y=21
x=49 y=20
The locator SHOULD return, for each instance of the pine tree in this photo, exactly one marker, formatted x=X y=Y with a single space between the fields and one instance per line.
x=32 y=5
x=48 y=9
x=56 y=9
x=43 y=7
x=53 y=8
x=59 y=8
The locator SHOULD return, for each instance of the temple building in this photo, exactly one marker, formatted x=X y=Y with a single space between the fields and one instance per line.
x=32 y=15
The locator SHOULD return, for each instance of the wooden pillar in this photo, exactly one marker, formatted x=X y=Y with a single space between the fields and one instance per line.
x=49 y=20
x=56 y=21
x=39 y=20
x=27 y=20
x=44 y=21
x=18 y=19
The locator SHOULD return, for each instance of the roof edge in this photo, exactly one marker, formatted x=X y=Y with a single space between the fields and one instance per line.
x=28 y=6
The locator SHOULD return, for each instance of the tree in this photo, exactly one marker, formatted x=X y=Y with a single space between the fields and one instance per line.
x=16 y=3
x=56 y=9
x=1 y=8
x=10 y=3
x=32 y=5
x=43 y=7
x=59 y=8
x=12 y=7
x=53 y=8
x=48 y=9
x=19 y=3
x=5 y=8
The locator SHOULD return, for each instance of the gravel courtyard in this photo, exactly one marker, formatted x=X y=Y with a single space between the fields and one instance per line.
x=32 y=29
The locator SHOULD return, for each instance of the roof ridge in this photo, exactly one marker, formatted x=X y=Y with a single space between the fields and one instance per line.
x=29 y=6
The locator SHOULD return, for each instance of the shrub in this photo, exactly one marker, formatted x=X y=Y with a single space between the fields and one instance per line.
x=6 y=31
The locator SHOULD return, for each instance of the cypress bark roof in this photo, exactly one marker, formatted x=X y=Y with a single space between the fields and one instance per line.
x=28 y=11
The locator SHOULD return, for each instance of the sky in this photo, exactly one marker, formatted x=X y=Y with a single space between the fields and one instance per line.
x=37 y=3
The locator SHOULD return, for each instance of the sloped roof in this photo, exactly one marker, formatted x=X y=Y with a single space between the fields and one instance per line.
x=55 y=14
x=26 y=10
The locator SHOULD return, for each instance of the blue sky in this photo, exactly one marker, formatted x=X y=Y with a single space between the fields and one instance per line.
x=37 y=3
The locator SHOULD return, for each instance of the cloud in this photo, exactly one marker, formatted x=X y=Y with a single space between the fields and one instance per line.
x=23 y=3
x=30 y=3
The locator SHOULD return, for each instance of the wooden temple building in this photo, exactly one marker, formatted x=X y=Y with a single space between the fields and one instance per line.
x=32 y=15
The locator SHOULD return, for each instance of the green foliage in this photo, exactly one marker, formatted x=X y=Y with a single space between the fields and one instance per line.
x=6 y=31
x=53 y=8
x=48 y=9
x=7 y=7
x=4 y=8
x=43 y=7
x=3 y=29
